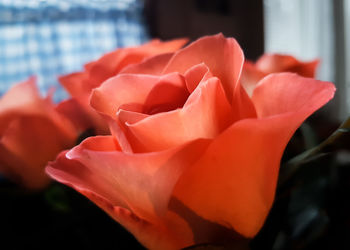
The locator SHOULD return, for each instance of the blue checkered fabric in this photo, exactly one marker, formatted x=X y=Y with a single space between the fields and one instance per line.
x=48 y=38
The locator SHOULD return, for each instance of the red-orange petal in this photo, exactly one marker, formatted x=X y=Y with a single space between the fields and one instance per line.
x=33 y=140
x=76 y=84
x=195 y=75
x=151 y=234
x=274 y=63
x=153 y=174
x=250 y=77
x=223 y=56
x=205 y=114
x=136 y=185
x=150 y=66
x=287 y=92
x=76 y=114
x=234 y=182
x=128 y=89
x=22 y=98
x=112 y=63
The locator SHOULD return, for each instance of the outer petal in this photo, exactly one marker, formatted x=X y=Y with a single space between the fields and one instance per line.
x=288 y=92
x=250 y=77
x=150 y=233
x=234 y=182
x=205 y=114
x=76 y=114
x=22 y=98
x=153 y=175
x=27 y=145
x=134 y=189
x=112 y=63
x=150 y=66
x=77 y=84
x=274 y=63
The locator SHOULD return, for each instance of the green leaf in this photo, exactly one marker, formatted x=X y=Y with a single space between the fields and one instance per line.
x=57 y=199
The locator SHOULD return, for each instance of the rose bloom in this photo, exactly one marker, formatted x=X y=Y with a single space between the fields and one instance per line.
x=32 y=133
x=275 y=63
x=80 y=84
x=192 y=158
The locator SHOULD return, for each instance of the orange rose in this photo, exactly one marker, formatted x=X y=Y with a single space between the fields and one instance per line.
x=32 y=133
x=274 y=63
x=80 y=84
x=192 y=157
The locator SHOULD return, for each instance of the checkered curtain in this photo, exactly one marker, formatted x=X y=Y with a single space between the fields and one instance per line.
x=51 y=37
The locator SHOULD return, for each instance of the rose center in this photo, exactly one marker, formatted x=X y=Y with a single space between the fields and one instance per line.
x=165 y=97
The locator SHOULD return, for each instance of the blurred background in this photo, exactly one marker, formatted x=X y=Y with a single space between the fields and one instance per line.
x=49 y=38
x=53 y=37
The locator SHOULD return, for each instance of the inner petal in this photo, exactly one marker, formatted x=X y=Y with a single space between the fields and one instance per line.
x=165 y=97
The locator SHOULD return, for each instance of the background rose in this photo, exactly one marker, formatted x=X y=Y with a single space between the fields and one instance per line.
x=32 y=132
x=192 y=158
x=274 y=63
x=80 y=84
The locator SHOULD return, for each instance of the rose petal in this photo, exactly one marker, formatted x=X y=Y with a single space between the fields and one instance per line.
x=22 y=98
x=287 y=92
x=205 y=114
x=153 y=175
x=140 y=183
x=274 y=63
x=166 y=96
x=250 y=77
x=34 y=140
x=128 y=89
x=151 y=234
x=234 y=182
x=307 y=69
x=77 y=85
x=112 y=63
x=195 y=75
x=150 y=66
x=170 y=231
x=130 y=117
x=223 y=56
x=76 y=114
